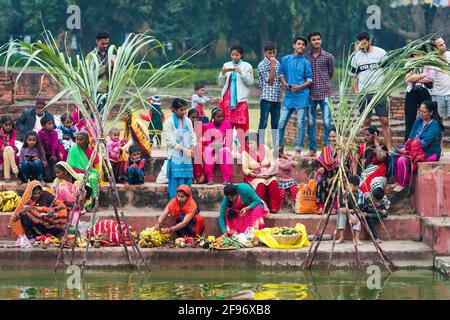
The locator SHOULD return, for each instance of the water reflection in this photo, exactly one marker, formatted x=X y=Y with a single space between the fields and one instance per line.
x=222 y=285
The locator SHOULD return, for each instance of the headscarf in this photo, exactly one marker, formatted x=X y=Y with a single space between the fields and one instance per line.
x=326 y=159
x=46 y=200
x=69 y=169
x=190 y=206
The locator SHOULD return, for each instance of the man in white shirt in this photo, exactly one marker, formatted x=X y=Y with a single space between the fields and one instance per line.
x=441 y=85
x=368 y=78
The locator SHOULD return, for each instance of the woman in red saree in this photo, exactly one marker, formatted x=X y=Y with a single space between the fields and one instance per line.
x=183 y=209
x=258 y=166
x=372 y=162
x=328 y=163
x=39 y=213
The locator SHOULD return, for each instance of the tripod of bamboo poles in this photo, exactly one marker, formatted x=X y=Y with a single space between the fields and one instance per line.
x=339 y=186
x=100 y=145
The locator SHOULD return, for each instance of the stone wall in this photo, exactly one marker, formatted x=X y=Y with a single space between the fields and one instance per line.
x=397 y=112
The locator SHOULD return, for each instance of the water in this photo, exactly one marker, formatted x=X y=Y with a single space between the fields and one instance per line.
x=222 y=285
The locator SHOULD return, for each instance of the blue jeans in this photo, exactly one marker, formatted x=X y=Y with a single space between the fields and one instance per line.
x=135 y=176
x=301 y=125
x=274 y=109
x=326 y=116
x=31 y=170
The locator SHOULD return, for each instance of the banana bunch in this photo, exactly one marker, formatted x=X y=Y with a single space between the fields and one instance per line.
x=8 y=201
x=150 y=237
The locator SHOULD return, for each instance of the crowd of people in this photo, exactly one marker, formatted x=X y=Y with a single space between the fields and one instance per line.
x=60 y=154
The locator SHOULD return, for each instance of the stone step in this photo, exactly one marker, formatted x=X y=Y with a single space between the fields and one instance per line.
x=397 y=227
x=436 y=234
x=404 y=254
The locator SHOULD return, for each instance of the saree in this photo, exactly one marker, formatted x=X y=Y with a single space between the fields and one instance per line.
x=78 y=160
x=66 y=191
x=113 y=230
x=137 y=132
x=373 y=172
x=196 y=226
x=237 y=223
x=35 y=222
x=330 y=162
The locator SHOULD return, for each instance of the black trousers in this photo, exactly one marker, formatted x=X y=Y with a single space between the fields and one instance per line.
x=412 y=103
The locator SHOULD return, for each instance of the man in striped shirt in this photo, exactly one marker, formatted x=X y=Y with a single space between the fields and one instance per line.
x=322 y=64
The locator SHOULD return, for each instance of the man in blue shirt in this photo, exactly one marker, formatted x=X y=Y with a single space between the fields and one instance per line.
x=296 y=76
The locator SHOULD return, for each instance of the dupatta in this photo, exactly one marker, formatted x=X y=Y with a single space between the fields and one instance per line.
x=190 y=206
x=326 y=159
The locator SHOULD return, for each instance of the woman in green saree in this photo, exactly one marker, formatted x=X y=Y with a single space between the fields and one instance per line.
x=78 y=158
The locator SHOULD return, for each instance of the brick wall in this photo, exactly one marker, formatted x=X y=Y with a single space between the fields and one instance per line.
x=396 y=112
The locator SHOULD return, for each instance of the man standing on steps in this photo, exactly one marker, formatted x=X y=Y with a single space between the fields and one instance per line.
x=296 y=76
x=101 y=51
x=441 y=85
x=367 y=79
x=322 y=64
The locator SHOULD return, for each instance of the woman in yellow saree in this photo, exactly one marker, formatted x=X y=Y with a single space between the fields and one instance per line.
x=135 y=131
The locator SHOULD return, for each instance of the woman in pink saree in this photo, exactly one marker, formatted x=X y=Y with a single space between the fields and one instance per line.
x=66 y=187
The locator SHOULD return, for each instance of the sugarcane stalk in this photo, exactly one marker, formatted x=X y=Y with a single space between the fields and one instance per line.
x=72 y=211
x=116 y=204
x=358 y=257
x=319 y=229
x=134 y=245
x=327 y=219
x=335 y=229
x=364 y=223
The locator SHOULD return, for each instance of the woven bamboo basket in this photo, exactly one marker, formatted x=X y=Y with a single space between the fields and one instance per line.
x=287 y=240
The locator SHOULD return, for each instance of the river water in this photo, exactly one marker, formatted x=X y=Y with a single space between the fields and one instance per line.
x=222 y=285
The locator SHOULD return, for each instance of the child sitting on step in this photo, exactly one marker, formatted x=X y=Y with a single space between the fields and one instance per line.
x=135 y=166
x=32 y=159
x=48 y=137
x=347 y=202
x=285 y=164
x=375 y=208
x=8 y=150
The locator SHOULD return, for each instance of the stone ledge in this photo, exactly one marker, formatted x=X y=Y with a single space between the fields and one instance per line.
x=405 y=254
x=398 y=227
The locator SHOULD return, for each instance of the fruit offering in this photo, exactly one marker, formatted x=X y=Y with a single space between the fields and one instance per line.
x=151 y=237
x=8 y=201
x=228 y=243
x=285 y=231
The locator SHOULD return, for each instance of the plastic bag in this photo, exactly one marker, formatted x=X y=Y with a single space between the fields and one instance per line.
x=265 y=237
x=162 y=176
x=23 y=242
x=306 y=199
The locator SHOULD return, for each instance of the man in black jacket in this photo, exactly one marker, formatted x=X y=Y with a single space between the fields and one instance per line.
x=30 y=120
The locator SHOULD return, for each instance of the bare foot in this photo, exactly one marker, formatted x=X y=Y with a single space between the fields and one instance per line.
x=358 y=242
x=378 y=241
x=339 y=241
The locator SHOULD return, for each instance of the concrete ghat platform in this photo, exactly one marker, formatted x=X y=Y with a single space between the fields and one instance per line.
x=404 y=254
x=398 y=227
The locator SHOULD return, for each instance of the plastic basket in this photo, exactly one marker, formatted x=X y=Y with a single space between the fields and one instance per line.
x=287 y=239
